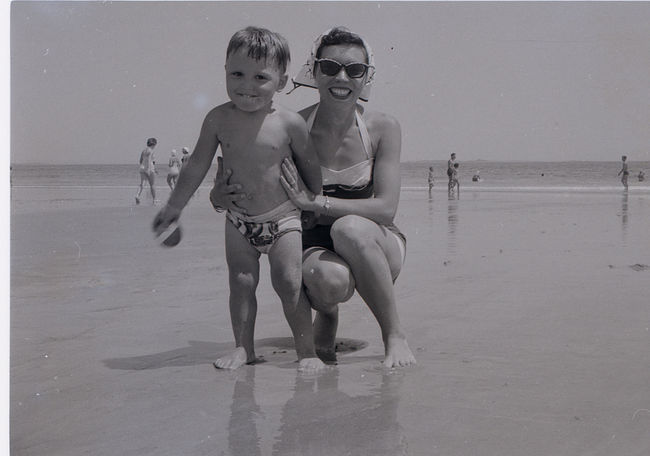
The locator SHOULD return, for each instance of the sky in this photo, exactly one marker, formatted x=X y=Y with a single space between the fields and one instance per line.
x=551 y=81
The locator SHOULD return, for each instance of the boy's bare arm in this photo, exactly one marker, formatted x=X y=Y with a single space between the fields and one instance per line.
x=304 y=155
x=198 y=163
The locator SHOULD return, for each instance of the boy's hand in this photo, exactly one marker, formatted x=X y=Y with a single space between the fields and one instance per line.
x=223 y=194
x=167 y=215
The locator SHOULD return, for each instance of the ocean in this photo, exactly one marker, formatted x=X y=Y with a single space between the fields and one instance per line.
x=495 y=176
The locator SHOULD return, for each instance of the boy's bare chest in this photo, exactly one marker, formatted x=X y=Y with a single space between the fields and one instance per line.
x=263 y=141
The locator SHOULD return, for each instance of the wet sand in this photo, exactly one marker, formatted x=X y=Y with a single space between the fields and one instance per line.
x=528 y=315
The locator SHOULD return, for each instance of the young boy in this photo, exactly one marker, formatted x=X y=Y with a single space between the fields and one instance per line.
x=255 y=136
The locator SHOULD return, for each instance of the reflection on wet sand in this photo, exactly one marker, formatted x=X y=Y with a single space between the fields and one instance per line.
x=452 y=223
x=325 y=415
x=242 y=431
x=624 y=219
x=322 y=419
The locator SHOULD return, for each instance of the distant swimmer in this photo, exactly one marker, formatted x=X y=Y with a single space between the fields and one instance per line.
x=624 y=171
x=147 y=170
x=476 y=177
x=641 y=176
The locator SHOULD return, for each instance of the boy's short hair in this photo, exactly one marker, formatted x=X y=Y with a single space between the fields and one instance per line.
x=151 y=142
x=341 y=35
x=261 y=44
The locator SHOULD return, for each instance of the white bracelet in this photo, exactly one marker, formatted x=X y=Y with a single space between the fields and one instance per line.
x=327 y=206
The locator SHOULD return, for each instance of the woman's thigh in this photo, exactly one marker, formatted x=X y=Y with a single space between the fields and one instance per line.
x=352 y=234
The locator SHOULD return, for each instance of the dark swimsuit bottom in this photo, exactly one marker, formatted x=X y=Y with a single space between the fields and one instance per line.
x=319 y=235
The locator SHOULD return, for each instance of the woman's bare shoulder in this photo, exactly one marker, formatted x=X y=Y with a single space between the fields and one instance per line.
x=380 y=123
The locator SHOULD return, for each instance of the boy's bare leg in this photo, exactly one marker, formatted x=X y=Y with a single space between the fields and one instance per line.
x=243 y=272
x=325 y=326
x=285 y=259
x=327 y=281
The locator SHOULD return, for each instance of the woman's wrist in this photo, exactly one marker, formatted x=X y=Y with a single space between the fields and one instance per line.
x=321 y=204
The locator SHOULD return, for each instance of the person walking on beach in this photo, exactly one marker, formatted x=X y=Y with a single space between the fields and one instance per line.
x=624 y=171
x=353 y=242
x=174 y=169
x=147 y=170
x=430 y=179
x=255 y=137
x=450 y=171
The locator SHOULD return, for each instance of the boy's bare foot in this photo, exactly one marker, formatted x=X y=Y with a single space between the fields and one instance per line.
x=234 y=360
x=311 y=365
x=398 y=353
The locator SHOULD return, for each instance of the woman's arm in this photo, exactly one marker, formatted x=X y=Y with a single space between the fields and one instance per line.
x=304 y=155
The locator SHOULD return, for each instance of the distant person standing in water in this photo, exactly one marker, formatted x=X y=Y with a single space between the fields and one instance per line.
x=624 y=171
x=450 y=171
x=430 y=178
x=147 y=170
x=453 y=180
x=174 y=170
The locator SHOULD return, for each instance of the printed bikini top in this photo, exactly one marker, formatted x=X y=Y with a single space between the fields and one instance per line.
x=355 y=181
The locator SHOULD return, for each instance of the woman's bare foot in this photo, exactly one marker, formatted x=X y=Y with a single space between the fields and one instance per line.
x=234 y=360
x=311 y=365
x=327 y=354
x=398 y=353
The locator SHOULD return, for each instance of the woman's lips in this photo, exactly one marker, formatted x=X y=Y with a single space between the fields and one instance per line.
x=340 y=92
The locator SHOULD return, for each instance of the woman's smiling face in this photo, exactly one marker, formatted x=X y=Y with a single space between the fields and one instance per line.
x=341 y=87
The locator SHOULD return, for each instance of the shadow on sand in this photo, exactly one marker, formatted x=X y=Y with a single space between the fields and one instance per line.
x=199 y=352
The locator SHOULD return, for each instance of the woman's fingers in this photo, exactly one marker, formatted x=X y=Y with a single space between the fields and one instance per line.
x=289 y=171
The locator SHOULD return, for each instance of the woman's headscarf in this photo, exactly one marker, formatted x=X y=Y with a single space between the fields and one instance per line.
x=306 y=78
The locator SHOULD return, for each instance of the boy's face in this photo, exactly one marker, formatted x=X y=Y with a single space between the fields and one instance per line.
x=252 y=83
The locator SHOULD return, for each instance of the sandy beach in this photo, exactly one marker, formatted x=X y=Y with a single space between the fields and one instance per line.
x=527 y=312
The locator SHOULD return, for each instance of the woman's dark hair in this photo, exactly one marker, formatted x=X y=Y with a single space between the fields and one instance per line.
x=341 y=35
x=151 y=142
